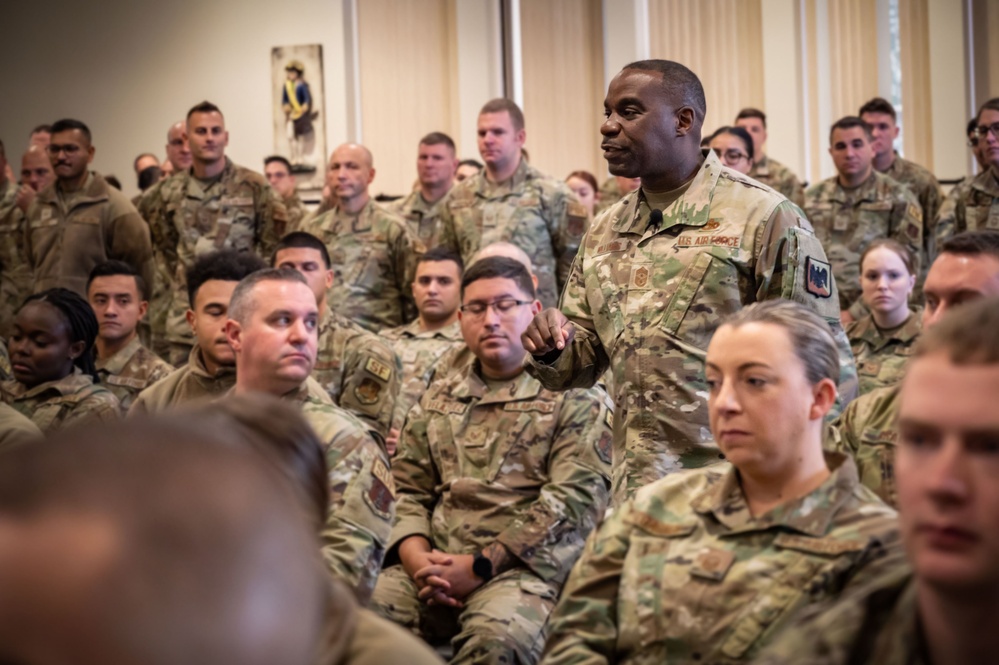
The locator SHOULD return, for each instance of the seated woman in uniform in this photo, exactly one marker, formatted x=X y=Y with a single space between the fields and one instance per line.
x=734 y=147
x=584 y=185
x=52 y=360
x=883 y=340
x=707 y=565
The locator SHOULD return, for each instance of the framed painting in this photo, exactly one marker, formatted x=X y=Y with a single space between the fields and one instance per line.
x=299 y=111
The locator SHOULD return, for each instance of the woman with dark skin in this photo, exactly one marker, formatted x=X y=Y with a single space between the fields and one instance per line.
x=51 y=357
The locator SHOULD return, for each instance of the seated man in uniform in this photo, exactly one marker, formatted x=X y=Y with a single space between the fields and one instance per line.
x=356 y=367
x=211 y=367
x=942 y=607
x=499 y=482
x=116 y=293
x=272 y=324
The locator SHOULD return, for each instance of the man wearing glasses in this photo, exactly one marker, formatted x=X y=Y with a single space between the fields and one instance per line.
x=977 y=206
x=498 y=483
x=856 y=206
x=80 y=221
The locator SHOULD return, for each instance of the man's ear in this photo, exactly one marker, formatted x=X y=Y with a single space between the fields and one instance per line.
x=234 y=334
x=189 y=315
x=684 y=120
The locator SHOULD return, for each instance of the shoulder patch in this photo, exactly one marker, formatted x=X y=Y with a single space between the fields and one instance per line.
x=381 y=495
x=818 y=278
x=368 y=391
x=540 y=406
x=605 y=447
x=378 y=368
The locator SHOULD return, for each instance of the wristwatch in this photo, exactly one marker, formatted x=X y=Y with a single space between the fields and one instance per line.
x=482 y=566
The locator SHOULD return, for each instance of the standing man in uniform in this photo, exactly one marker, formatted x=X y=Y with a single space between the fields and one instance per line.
x=357 y=368
x=371 y=249
x=126 y=367
x=499 y=483
x=178 y=150
x=282 y=181
x=512 y=201
x=80 y=220
x=856 y=206
x=214 y=205
x=659 y=271
x=436 y=165
x=978 y=206
x=766 y=169
x=273 y=319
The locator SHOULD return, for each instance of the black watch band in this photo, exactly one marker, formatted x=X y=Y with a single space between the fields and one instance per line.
x=482 y=566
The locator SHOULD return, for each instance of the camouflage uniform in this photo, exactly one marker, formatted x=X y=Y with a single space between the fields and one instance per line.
x=970 y=209
x=422 y=218
x=54 y=405
x=160 y=291
x=69 y=234
x=130 y=371
x=190 y=383
x=846 y=221
x=610 y=194
x=684 y=572
x=15 y=273
x=5 y=369
x=15 y=428
x=866 y=431
x=882 y=359
x=533 y=211
x=189 y=217
x=877 y=624
x=374 y=260
x=646 y=302
x=513 y=464
x=362 y=497
x=359 y=371
x=296 y=212
x=926 y=187
x=419 y=351
x=775 y=175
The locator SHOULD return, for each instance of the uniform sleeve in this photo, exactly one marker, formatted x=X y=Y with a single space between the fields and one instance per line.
x=907 y=225
x=371 y=382
x=272 y=218
x=163 y=235
x=792 y=265
x=549 y=535
x=405 y=252
x=583 y=628
x=448 y=236
x=416 y=478
x=567 y=225
x=362 y=506
x=130 y=242
x=102 y=407
x=950 y=221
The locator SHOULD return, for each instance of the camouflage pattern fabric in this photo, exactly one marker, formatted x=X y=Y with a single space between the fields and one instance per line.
x=926 y=187
x=69 y=234
x=685 y=573
x=374 y=260
x=775 y=175
x=533 y=211
x=130 y=371
x=296 y=211
x=866 y=431
x=16 y=429
x=15 y=273
x=6 y=373
x=846 y=221
x=882 y=357
x=646 y=301
x=970 y=208
x=54 y=405
x=422 y=218
x=190 y=383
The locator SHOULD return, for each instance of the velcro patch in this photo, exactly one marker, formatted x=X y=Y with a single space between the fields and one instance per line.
x=700 y=241
x=576 y=209
x=913 y=231
x=609 y=419
x=381 y=495
x=614 y=246
x=446 y=407
x=237 y=200
x=537 y=405
x=605 y=447
x=916 y=212
x=712 y=564
x=114 y=380
x=529 y=202
x=825 y=546
x=368 y=391
x=378 y=368
x=640 y=277
x=656 y=527
x=818 y=278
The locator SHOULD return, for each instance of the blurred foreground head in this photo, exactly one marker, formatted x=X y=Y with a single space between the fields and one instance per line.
x=149 y=543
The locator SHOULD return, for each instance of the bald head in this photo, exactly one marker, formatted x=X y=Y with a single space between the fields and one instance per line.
x=351 y=170
x=177 y=148
x=36 y=169
x=149 y=542
x=510 y=251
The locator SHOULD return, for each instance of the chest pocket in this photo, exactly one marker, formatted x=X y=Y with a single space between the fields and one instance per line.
x=875 y=458
x=983 y=216
x=707 y=290
x=468 y=223
x=49 y=415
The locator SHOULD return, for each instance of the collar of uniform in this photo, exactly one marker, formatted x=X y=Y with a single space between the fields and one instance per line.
x=450 y=332
x=810 y=514
x=416 y=203
x=691 y=209
x=197 y=366
x=986 y=182
x=64 y=386
x=866 y=191
x=292 y=201
x=866 y=330
x=197 y=190
x=94 y=189
x=524 y=172
x=338 y=214
x=116 y=363
x=472 y=386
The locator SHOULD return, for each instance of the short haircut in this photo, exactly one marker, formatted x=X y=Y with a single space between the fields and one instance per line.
x=302 y=240
x=750 y=112
x=849 y=122
x=135 y=162
x=280 y=160
x=499 y=267
x=241 y=305
x=991 y=105
x=901 y=250
x=41 y=128
x=68 y=124
x=501 y=104
x=471 y=162
x=967 y=334
x=442 y=253
x=972 y=126
x=203 y=107
x=227 y=265
x=810 y=335
x=879 y=105
x=740 y=132
x=149 y=176
x=973 y=243
x=114 y=267
x=682 y=87
x=590 y=179
x=438 y=138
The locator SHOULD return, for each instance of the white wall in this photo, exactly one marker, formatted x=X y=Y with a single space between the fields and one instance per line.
x=129 y=70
